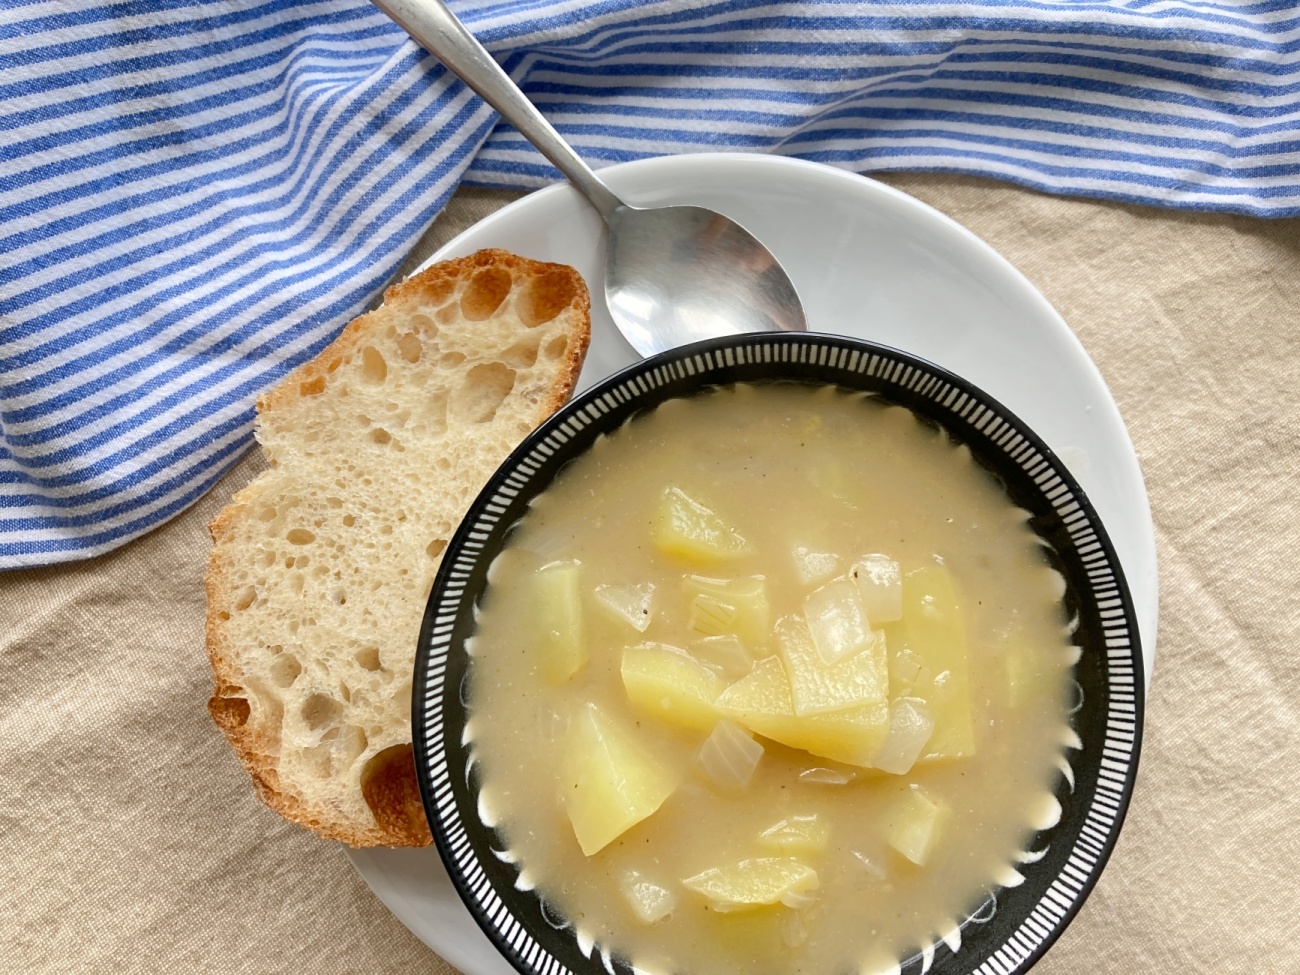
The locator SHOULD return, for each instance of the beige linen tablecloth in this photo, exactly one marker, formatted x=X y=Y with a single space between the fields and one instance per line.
x=130 y=838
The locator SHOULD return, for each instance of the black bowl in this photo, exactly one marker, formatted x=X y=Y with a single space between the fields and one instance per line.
x=1016 y=925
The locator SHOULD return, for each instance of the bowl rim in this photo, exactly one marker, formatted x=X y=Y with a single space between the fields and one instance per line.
x=436 y=631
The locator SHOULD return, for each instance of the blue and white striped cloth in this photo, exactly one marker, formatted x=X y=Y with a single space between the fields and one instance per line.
x=195 y=195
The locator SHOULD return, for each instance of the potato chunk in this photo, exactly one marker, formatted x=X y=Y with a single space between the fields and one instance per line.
x=755 y=883
x=817 y=687
x=610 y=780
x=1028 y=669
x=932 y=629
x=735 y=606
x=561 y=634
x=687 y=530
x=913 y=824
x=671 y=685
x=762 y=703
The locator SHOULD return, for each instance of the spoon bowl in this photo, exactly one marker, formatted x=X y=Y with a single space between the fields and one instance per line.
x=681 y=274
x=675 y=274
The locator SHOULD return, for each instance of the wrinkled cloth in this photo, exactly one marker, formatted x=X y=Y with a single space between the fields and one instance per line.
x=131 y=839
x=196 y=195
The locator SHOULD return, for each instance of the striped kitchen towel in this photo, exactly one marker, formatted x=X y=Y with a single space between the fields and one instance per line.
x=195 y=195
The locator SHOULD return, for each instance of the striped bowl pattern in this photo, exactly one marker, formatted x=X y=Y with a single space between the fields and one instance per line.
x=1012 y=929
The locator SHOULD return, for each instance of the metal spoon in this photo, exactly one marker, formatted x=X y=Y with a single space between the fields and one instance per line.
x=673 y=274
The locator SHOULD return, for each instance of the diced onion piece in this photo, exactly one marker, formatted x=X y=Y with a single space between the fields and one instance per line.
x=631 y=604
x=837 y=621
x=913 y=824
x=880 y=581
x=797 y=899
x=559 y=623
x=794 y=931
x=650 y=902
x=753 y=883
x=796 y=834
x=737 y=606
x=904 y=668
x=725 y=654
x=550 y=725
x=811 y=566
x=910 y=727
x=870 y=865
x=709 y=616
x=1020 y=677
x=730 y=755
x=826 y=776
x=685 y=529
x=831 y=477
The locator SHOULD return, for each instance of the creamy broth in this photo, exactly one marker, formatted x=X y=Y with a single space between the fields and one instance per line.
x=812 y=480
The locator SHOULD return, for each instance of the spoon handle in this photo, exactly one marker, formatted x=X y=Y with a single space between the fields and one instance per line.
x=438 y=31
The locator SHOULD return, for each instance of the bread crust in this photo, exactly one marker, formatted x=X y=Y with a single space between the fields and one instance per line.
x=399 y=819
x=427 y=285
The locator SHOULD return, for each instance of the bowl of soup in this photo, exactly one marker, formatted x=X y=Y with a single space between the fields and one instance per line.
x=778 y=654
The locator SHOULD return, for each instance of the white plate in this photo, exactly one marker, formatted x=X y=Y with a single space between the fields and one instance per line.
x=868 y=261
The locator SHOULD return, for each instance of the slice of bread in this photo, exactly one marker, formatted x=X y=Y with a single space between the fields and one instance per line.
x=323 y=564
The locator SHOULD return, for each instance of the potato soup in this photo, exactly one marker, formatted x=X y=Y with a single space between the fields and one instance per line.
x=770 y=680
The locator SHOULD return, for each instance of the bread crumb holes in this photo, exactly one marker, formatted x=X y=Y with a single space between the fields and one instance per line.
x=391 y=792
x=523 y=354
x=373 y=365
x=484 y=389
x=284 y=670
x=410 y=347
x=320 y=711
x=545 y=297
x=485 y=292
